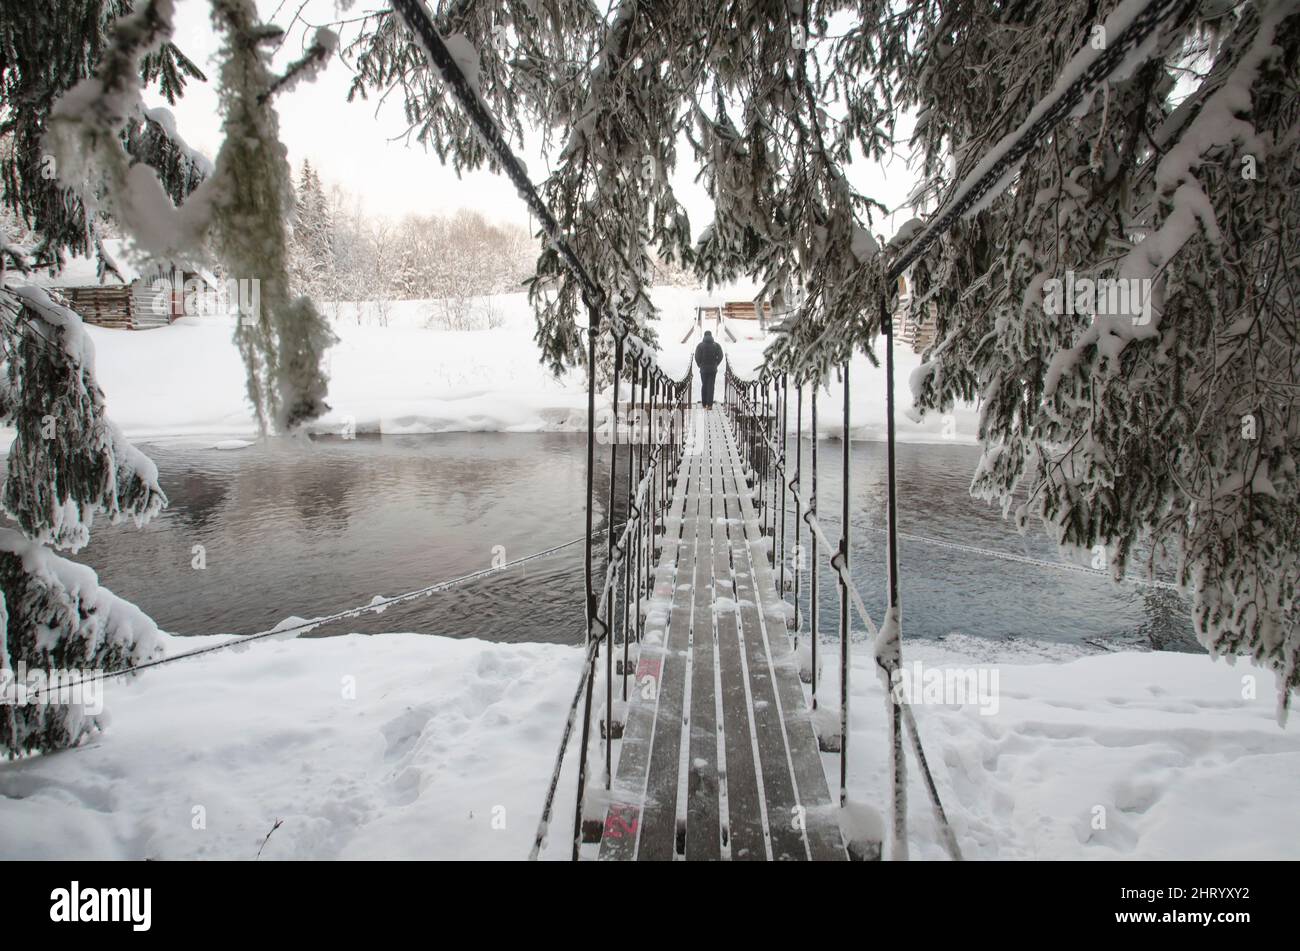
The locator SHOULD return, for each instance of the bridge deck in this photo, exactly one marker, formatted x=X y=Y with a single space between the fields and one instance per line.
x=719 y=758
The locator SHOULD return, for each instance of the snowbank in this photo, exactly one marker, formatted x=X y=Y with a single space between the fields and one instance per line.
x=444 y=752
x=1111 y=756
x=446 y=749
x=187 y=380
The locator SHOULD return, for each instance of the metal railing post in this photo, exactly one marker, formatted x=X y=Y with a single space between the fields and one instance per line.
x=844 y=603
x=816 y=546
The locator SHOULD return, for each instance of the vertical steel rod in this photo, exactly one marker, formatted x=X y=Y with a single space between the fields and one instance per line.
x=898 y=772
x=844 y=604
x=609 y=560
x=781 y=473
x=631 y=491
x=593 y=327
x=812 y=540
x=797 y=483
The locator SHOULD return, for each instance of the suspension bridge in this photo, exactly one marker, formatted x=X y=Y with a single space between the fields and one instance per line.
x=706 y=726
x=717 y=756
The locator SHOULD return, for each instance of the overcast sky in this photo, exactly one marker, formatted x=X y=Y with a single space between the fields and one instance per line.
x=352 y=144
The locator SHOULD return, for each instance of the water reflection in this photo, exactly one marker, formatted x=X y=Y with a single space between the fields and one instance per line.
x=309 y=527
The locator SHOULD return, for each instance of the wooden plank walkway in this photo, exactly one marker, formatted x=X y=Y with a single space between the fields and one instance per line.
x=718 y=759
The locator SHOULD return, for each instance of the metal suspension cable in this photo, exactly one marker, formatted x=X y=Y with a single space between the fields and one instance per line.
x=1028 y=560
x=1021 y=559
x=584 y=684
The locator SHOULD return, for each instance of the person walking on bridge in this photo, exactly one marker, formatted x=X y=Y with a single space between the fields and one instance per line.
x=708 y=357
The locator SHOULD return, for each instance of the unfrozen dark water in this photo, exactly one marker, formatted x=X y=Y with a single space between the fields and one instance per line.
x=309 y=527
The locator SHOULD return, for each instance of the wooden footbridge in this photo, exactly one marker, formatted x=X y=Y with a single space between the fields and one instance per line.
x=719 y=758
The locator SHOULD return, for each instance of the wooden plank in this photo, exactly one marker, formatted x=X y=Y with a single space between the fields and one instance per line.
x=820 y=813
x=658 y=832
x=784 y=833
x=703 y=825
x=744 y=810
x=627 y=798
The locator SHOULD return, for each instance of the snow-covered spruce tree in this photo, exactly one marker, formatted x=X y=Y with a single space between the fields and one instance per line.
x=312 y=271
x=114 y=158
x=239 y=214
x=586 y=88
x=67 y=464
x=252 y=199
x=44 y=52
x=1173 y=432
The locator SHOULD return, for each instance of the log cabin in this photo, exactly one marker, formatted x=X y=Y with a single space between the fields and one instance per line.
x=139 y=303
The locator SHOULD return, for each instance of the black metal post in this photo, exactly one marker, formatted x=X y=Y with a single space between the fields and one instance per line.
x=816 y=546
x=844 y=604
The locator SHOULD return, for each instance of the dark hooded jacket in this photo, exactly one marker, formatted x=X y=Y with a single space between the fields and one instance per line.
x=708 y=355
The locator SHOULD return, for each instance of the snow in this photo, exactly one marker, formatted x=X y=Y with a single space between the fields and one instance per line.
x=445 y=737
x=75 y=340
x=164 y=117
x=1216 y=126
x=83 y=270
x=93 y=624
x=1115 y=23
x=104 y=613
x=864 y=246
x=465 y=54
x=448 y=738
x=1159 y=741
x=407 y=378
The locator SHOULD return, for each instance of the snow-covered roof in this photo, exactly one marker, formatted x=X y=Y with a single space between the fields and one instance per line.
x=82 y=271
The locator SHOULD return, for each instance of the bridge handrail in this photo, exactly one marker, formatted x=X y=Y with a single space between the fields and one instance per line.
x=887 y=661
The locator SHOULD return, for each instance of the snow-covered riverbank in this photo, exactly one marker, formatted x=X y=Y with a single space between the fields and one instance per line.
x=416 y=746
x=187 y=381
x=411 y=746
